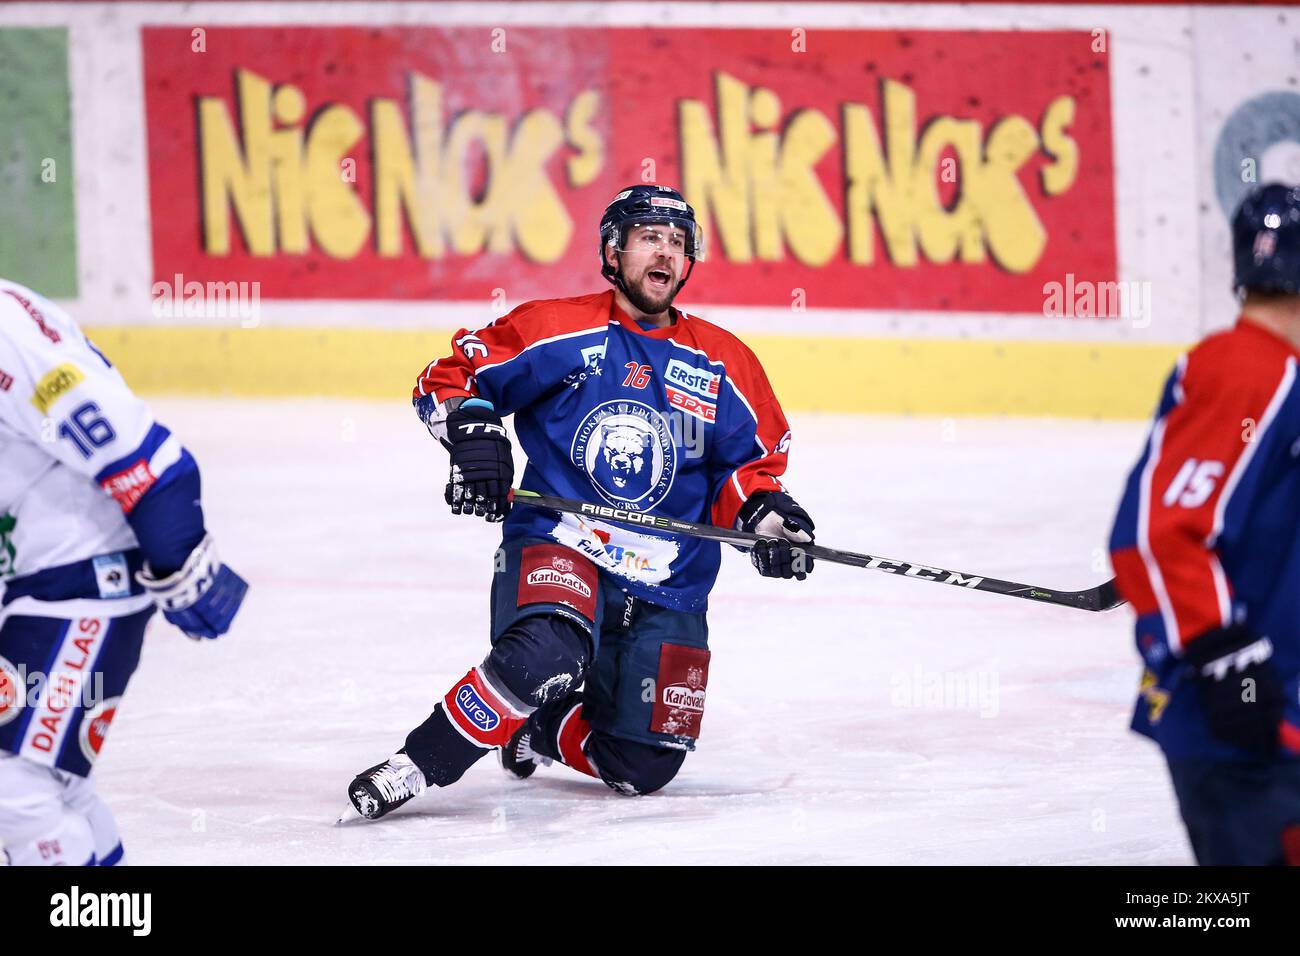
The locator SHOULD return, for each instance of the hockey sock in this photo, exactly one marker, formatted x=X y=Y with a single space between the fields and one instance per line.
x=563 y=734
x=474 y=717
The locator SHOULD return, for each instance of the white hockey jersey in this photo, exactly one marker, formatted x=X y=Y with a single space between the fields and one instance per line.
x=67 y=419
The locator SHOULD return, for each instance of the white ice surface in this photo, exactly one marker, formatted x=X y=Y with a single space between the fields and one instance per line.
x=820 y=742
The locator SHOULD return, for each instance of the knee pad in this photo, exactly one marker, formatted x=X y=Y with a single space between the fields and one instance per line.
x=539 y=658
x=632 y=768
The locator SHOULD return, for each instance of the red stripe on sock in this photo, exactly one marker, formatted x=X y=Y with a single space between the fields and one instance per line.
x=479 y=711
x=574 y=732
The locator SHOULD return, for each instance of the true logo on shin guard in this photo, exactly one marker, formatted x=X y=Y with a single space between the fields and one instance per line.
x=476 y=710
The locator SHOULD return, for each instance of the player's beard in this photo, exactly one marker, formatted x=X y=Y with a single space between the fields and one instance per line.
x=649 y=302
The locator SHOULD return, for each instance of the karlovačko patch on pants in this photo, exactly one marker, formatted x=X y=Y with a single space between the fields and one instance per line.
x=649 y=671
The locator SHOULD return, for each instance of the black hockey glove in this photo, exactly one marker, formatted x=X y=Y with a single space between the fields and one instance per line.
x=482 y=469
x=785 y=525
x=1239 y=688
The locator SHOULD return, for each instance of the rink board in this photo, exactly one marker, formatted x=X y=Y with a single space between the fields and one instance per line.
x=828 y=374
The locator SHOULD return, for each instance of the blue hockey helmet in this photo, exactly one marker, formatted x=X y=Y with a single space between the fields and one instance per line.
x=1266 y=240
x=648 y=204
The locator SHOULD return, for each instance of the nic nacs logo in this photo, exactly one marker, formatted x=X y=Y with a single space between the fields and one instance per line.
x=627 y=450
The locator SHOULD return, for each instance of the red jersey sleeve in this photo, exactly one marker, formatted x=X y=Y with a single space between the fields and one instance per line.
x=751 y=455
x=1197 y=455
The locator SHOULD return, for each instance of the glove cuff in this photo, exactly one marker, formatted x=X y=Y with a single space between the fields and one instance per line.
x=1224 y=650
x=181 y=590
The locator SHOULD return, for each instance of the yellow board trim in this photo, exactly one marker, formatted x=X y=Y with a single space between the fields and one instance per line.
x=814 y=373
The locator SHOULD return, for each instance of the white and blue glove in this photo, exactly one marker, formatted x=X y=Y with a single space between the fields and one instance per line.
x=202 y=597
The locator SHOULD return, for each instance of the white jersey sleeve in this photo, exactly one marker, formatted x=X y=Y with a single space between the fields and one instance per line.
x=63 y=397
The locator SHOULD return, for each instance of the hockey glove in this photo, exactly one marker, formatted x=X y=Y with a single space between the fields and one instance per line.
x=1239 y=688
x=482 y=469
x=202 y=597
x=784 y=525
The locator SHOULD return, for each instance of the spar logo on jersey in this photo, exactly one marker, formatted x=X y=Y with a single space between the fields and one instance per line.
x=12 y=691
x=94 y=727
x=692 y=390
x=476 y=709
x=627 y=450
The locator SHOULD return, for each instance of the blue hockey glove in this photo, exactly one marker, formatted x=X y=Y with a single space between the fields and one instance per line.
x=202 y=597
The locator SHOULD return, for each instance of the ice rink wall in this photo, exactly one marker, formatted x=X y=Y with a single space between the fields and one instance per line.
x=913 y=208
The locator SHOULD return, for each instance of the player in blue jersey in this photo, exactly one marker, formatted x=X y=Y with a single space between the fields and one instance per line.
x=599 y=653
x=1206 y=548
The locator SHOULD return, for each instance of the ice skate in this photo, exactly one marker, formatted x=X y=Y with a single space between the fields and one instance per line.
x=385 y=787
x=518 y=757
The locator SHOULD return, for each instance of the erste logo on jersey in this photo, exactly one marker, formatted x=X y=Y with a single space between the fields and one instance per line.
x=627 y=450
x=692 y=390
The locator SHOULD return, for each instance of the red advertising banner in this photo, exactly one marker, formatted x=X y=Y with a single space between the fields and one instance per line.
x=887 y=169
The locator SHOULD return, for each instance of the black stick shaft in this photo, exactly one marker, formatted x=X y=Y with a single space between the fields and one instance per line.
x=1101 y=598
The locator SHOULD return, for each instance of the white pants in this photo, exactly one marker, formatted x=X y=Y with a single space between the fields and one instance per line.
x=53 y=818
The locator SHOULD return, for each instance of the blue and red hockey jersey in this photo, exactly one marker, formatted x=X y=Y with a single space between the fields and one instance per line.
x=1208 y=531
x=679 y=421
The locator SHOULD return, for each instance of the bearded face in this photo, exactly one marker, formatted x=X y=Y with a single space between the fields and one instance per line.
x=652 y=263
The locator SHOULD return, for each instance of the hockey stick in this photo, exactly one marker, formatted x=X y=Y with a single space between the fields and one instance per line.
x=1101 y=598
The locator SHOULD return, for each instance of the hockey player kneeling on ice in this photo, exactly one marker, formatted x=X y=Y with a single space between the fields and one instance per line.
x=599 y=654
x=1206 y=547
x=107 y=526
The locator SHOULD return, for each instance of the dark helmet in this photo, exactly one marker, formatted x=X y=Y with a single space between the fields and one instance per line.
x=1266 y=240
x=644 y=205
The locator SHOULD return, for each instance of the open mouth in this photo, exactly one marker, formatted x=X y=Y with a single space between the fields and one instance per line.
x=659 y=278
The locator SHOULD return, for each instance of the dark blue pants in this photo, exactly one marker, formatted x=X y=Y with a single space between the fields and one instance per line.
x=1240 y=813
x=642 y=669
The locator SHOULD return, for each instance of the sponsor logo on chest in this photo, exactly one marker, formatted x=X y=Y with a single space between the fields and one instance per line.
x=692 y=390
x=699 y=381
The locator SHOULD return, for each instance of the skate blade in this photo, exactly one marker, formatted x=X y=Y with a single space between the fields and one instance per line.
x=349 y=815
